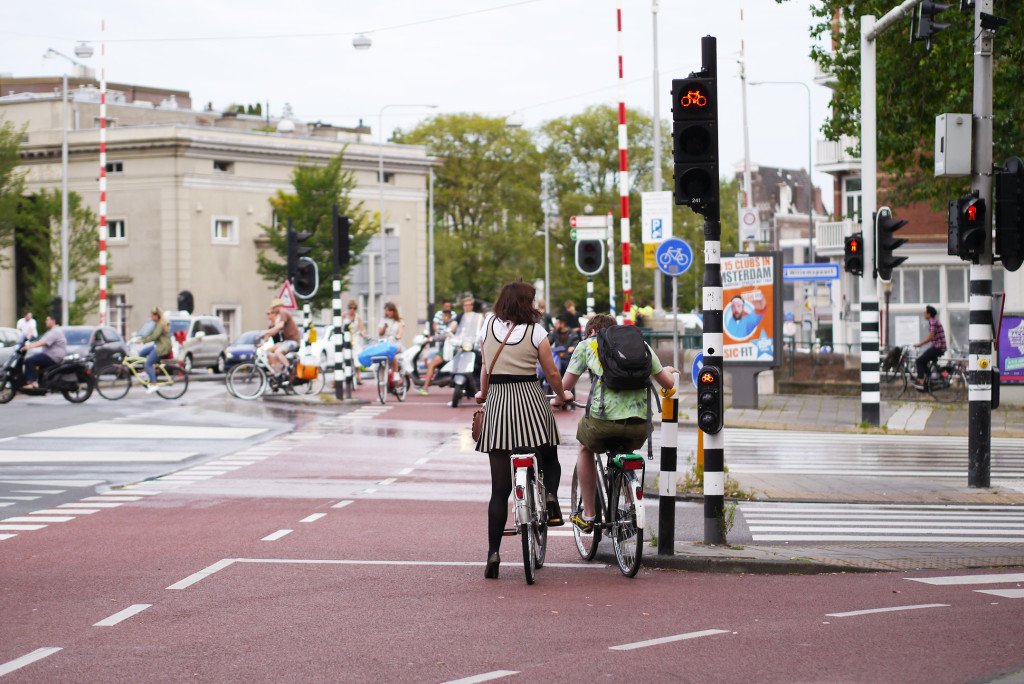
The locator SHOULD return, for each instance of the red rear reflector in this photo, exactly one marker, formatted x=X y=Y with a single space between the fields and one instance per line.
x=523 y=462
x=519 y=492
x=639 y=493
x=633 y=465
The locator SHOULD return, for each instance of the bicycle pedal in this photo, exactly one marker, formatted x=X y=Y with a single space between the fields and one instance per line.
x=509 y=532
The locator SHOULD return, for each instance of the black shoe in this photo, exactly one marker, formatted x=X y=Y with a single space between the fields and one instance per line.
x=491 y=569
x=554 y=513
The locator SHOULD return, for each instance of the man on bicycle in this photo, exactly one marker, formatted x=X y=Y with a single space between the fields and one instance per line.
x=284 y=323
x=937 y=347
x=619 y=419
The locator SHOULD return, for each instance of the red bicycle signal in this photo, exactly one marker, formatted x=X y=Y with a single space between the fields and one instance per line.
x=693 y=98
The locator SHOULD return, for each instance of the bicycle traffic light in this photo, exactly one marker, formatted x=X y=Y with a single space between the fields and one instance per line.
x=853 y=254
x=886 y=243
x=967 y=228
x=340 y=225
x=1009 y=194
x=923 y=24
x=710 y=400
x=695 y=140
x=589 y=257
x=295 y=250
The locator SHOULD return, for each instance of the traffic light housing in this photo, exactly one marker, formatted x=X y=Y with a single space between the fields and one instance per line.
x=886 y=243
x=1009 y=195
x=695 y=141
x=710 y=400
x=924 y=25
x=341 y=242
x=853 y=254
x=56 y=306
x=295 y=250
x=589 y=257
x=967 y=228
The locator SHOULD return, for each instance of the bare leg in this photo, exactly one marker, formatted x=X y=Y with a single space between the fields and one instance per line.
x=587 y=472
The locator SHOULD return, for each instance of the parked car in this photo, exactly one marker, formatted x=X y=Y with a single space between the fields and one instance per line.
x=8 y=338
x=199 y=341
x=105 y=342
x=243 y=349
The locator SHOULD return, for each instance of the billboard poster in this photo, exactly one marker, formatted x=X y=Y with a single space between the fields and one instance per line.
x=1011 y=349
x=751 y=307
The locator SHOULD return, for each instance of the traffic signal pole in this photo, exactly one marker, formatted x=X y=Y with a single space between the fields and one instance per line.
x=870 y=358
x=627 y=279
x=979 y=368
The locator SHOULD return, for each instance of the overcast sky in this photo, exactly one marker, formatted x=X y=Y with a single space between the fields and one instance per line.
x=540 y=58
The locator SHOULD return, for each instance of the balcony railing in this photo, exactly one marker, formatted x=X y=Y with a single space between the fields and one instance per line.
x=835 y=152
x=830 y=236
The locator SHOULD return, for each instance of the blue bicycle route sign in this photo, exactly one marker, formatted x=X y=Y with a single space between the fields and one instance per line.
x=674 y=257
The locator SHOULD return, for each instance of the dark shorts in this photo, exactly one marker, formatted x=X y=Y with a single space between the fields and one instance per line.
x=602 y=436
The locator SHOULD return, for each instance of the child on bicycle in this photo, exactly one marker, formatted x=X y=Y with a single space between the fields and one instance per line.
x=619 y=419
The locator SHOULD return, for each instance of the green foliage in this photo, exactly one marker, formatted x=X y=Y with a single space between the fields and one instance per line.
x=12 y=184
x=915 y=85
x=39 y=235
x=317 y=189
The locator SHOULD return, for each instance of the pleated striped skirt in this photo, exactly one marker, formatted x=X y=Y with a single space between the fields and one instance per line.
x=517 y=416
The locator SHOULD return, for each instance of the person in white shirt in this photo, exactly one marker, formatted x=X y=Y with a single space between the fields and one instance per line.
x=27 y=326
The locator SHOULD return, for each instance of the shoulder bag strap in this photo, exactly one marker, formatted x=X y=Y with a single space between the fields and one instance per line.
x=485 y=383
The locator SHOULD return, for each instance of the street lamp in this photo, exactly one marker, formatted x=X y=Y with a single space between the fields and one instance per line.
x=362 y=42
x=810 y=197
x=82 y=50
x=380 y=182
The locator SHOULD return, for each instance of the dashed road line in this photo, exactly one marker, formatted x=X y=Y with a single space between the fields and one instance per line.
x=1005 y=593
x=27 y=659
x=893 y=609
x=39 y=518
x=276 y=535
x=20 y=528
x=91 y=504
x=112 y=498
x=405 y=471
x=388 y=481
x=123 y=615
x=485 y=677
x=38 y=491
x=66 y=511
x=20 y=498
x=668 y=639
x=313 y=518
x=7 y=536
x=342 y=504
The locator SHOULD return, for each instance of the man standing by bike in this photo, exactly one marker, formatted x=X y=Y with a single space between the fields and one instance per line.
x=283 y=323
x=54 y=348
x=937 y=347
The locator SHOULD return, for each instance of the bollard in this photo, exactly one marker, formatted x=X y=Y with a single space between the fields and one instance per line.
x=668 y=474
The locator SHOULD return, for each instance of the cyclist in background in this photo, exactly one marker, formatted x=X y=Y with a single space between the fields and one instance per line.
x=390 y=330
x=937 y=347
x=283 y=323
x=157 y=345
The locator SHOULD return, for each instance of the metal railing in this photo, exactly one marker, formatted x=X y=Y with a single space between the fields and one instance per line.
x=830 y=152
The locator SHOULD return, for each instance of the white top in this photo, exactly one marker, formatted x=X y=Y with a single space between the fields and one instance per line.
x=501 y=329
x=391 y=329
x=28 y=328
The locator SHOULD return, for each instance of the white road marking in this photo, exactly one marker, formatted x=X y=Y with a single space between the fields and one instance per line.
x=27 y=659
x=206 y=471
x=421 y=461
x=56 y=483
x=66 y=511
x=115 y=499
x=924 y=528
x=24 y=456
x=276 y=535
x=369 y=491
x=233 y=462
x=89 y=505
x=667 y=640
x=390 y=480
x=38 y=491
x=42 y=519
x=7 y=536
x=202 y=574
x=342 y=504
x=6 y=503
x=883 y=538
x=405 y=471
x=894 y=609
x=485 y=677
x=1005 y=593
x=20 y=498
x=130 y=492
x=21 y=528
x=110 y=430
x=969 y=579
x=123 y=615
x=313 y=518
x=185 y=478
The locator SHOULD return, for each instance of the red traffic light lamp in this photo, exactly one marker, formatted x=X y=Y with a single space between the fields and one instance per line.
x=853 y=254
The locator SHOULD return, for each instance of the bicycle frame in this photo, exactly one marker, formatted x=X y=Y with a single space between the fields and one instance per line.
x=521 y=466
x=135 y=363
x=604 y=491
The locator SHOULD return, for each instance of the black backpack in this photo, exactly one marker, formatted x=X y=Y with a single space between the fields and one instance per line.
x=625 y=358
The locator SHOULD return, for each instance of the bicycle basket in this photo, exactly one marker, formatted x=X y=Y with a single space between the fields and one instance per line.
x=304 y=372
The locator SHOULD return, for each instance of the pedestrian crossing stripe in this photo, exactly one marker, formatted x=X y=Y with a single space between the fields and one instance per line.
x=1016 y=592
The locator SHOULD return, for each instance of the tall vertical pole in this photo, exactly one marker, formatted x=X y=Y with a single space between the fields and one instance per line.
x=748 y=192
x=870 y=394
x=590 y=296
x=810 y=219
x=431 y=294
x=627 y=280
x=65 y=287
x=338 y=334
x=714 y=444
x=103 y=178
x=611 y=264
x=307 y=325
x=383 y=232
x=658 y=277
x=979 y=369
x=669 y=463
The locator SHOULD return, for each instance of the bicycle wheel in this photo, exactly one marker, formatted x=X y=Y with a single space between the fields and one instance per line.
x=627 y=538
x=382 y=382
x=6 y=389
x=540 y=526
x=314 y=386
x=402 y=388
x=526 y=534
x=247 y=381
x=113 y=381
x=172 y=381
x=586 y=542
x=82 y=389
x=895 y=388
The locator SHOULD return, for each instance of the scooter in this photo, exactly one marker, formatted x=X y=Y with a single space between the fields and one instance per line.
x=465 y=371
x=72 y=377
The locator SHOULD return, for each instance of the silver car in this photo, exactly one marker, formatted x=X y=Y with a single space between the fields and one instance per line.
x=8 y=338
x=199 y=341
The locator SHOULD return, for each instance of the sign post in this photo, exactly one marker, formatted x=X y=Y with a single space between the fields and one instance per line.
x=656 y=226
x=674 y=258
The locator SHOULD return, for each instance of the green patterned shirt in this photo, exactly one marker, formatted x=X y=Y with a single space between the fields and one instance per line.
x=618 y=404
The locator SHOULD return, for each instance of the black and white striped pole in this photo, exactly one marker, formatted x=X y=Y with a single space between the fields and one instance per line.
x=668 y=475
x=870 y=357
x=307 y=325
x=343 y=369
x=590 y=296
x=336 y=332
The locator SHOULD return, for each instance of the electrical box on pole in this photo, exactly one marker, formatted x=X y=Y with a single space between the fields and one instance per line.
x=953 y=145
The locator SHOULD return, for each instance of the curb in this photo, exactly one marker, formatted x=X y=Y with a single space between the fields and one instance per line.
x=750 y=566
x=313 y=400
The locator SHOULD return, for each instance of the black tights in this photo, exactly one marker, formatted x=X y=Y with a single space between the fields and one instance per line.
x=501 y=489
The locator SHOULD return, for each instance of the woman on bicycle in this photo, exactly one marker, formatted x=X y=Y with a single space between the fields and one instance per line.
x=157 y=345
x=390 y=330
x=517 y=416
x=357 y=332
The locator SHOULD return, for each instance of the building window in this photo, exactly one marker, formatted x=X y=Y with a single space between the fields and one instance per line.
x=389 y=177
x=115 y=167
x=897 y=279
x=115 y=230
x=911 y=286
x=930 y=285
x=225 y=230
x=223 y=166
x=119 y=309
x=852 y=198
x=230 y=316
x=956 y=282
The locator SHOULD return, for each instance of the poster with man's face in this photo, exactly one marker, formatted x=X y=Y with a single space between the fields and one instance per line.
x=748 y=315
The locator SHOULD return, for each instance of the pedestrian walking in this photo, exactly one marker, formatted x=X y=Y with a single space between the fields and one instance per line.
x=27 y=326
x=517 y=415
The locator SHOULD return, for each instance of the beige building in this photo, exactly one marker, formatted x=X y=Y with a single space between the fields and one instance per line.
x=188 y=190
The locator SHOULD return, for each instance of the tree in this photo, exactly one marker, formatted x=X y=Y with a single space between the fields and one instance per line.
x=317 y=189
x=12 y=185
x=38 y=234
x=486 y=202
x=915 y=85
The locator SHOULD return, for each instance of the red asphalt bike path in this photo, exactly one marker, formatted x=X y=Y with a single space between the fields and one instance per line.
x=360 y=622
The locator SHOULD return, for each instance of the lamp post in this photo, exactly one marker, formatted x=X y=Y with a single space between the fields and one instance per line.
x=82 y=50
x=658 y=278
x=810 y=198
x=380 y=182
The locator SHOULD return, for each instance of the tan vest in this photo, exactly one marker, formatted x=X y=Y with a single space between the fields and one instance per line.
x=516 y=359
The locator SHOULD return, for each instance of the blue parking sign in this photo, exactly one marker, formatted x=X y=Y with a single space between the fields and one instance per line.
x=657 y=228
x=674 y=257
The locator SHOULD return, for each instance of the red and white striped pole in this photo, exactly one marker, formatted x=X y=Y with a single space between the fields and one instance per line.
x=103 y=177
x=627 y=280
